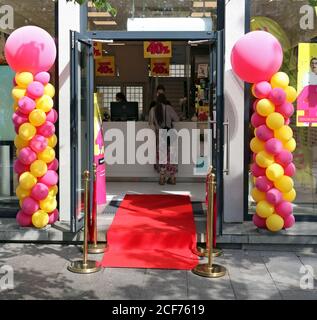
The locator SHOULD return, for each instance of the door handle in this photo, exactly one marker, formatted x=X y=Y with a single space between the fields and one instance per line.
x=227 y=170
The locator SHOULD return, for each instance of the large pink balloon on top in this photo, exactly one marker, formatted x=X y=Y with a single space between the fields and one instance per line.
x=30 y=49
x=256 y=57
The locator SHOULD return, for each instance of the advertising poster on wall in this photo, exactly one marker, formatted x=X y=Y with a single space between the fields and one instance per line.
x=307 y=85
x=105 y=67
x=160 y=67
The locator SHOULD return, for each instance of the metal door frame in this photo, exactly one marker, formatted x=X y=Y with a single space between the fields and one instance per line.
x=76 y=38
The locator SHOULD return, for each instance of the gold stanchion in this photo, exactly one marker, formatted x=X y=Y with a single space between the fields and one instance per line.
x=85 y=266
x=94 y=247
x=210 y=270
x=203 y=248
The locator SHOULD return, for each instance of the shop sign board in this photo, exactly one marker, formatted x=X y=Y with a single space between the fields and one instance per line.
x=307 y=85
x=105 y=67
x=157 y=49
x=160 y=67
x=97 y=50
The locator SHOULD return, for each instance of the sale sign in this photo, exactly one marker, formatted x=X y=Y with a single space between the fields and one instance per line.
x=157 y=49
x=97 y=50
x=160 y=67
x=105 y=67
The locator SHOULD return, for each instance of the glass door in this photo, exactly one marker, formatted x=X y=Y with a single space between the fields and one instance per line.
x=82 y=121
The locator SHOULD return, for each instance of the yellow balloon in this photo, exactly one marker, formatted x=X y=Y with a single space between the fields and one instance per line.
x=265 y=107
x=37 y=117
x=275 y=223
x=22 y=193
x=284 y=184
x=27 y=131
x=52 y=191
x=49 y=204
x=18 y=93
x=15 y=106
x=275 y=121
x=52 y=141
x=264 y=209
x=47 y=155
x=40 y=219
x=264 y=159
x=289 y=196
x=23 y=79
x=258 y=195
x=256 y=145
x=20 y=143
x=45 y=103
x=290 y=145
x=21 y=203
x=17 y=152
x=280 y=80
x=285 y=133
x=291 y=94
x=274 y=172
x=49 y=90
x=38 y=168
x=27 y=180
x=252 y=90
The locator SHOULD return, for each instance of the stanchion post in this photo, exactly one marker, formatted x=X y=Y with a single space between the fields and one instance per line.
x=94 y=247
x=203 y=249
x=85 y=266
x=210 y=270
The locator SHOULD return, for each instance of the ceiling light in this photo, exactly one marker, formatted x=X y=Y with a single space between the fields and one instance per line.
x=105 y=23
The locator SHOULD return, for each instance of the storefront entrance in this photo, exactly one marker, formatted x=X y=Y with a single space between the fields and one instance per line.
x=199 y=92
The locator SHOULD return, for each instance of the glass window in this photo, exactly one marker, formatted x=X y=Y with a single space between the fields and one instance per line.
x=107 y=95
x=292 y=22
x=135 y=94
x=155 y=15
x=13 y=15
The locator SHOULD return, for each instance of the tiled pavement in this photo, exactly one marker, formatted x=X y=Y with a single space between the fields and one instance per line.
x=40 y=272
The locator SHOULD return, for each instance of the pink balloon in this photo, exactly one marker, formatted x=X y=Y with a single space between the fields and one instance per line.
x=14 y=83
x=23 y=219
x=43 y=77
x=16 y=128
x=264 y=133
x=39 y=191
x=287 y=122
x=284 y=158
x=29 y=206
x=52 y=116
x=257 y=120
x=19 y=167
x=18 y=118
x=254 y=104
x=30 y=49
x=286 y=109
x=289 y=221
x=50 y=178
x=53 y=217
x=26 y=105
x=278 y=96
x=263 y=184
x=284 y=209
x=262 y=89
x=53 y=165
x=274 y=196
x=47 y=129
x=290 y=170
x=256 y=57
x=259 y=222
x=254 y=156
x=257 y=171
x=273 y=146
x=38 y=143
x=27 y=156
x=35 y=90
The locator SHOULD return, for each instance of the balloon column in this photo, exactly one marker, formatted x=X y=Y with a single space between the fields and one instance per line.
x=256 y=58
x=30 y=51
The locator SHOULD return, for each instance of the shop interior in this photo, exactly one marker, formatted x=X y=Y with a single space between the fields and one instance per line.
x=188 y=88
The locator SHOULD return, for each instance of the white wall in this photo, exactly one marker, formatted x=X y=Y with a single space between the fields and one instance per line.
x=234 y=111
x=69 y=19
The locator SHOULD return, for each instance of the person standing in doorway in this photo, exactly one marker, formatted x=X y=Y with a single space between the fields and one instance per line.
x=162 y=116
x=160 y=89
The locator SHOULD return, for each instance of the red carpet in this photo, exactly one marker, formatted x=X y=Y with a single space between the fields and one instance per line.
x=152 y=231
